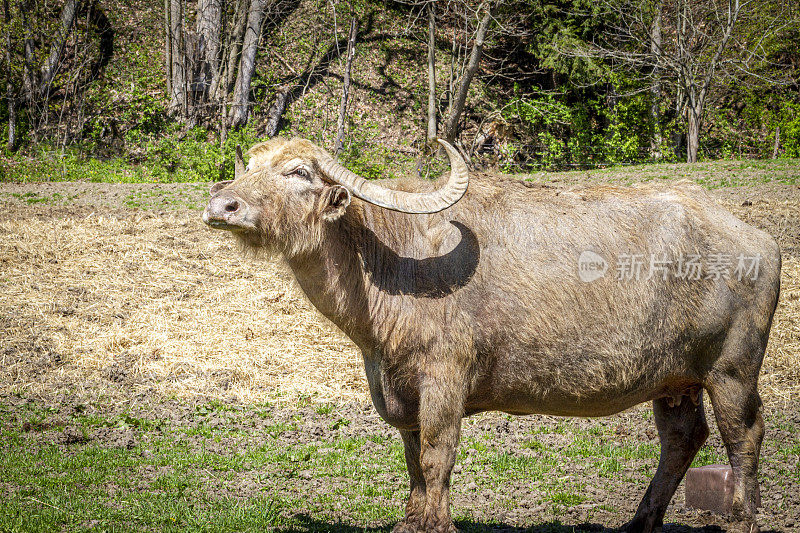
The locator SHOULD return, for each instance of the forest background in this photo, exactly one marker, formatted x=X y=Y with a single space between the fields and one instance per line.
x=146 y=90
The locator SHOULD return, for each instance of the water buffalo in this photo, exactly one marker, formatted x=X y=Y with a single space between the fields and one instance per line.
x=580 y=301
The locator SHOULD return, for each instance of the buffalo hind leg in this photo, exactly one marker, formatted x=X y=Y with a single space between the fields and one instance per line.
x=682 y=430
x=733 y=388
x=738 y=412
x=415 y=508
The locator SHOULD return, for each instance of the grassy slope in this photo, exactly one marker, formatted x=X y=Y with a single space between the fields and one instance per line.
x=711 y=174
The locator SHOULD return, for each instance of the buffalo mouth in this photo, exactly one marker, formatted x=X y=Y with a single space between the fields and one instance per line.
x=221 y=224
x=237 y=226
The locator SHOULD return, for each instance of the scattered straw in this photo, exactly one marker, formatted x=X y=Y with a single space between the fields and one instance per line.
x=781 y=370
x=169 y=302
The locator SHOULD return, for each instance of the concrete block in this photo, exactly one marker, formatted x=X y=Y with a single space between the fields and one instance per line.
x=710 y=488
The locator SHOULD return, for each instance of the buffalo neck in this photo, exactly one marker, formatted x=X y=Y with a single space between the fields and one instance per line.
x=376 y=270
x=333 y=276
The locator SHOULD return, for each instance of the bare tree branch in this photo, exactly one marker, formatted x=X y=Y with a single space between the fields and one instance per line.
x=451 y=127
x=342 y=119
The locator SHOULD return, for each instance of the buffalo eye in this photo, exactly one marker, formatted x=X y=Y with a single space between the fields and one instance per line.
x=300 y=172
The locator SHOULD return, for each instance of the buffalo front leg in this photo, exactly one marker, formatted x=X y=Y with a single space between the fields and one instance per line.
x=682 y=429
x=437 y=457
x=415 y=507
x=440 y=411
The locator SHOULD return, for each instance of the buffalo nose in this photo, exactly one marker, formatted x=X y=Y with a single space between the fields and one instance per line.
x=229 y=205
x=222 y=206
x=225 y=211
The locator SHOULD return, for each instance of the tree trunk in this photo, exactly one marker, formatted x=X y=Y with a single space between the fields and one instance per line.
x=451 y=81
x=777 y=147
x=276 y=111
x=681 y=107
x=209 y=28
x=53 y=61
x=694 y=82
x=241 y=106
x=693 y=133
x=451 y=129
x=612 y=116
x=177 y=102
x=10 y=96
x=11 y=145
x=105 y=40
x=431 y=72
x=168 y=46
x=240 y=25
x=28 y=81
x=351 y=52
x=655 y=88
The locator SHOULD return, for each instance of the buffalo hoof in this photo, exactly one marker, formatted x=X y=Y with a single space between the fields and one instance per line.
x=440 y=527
x=745 y=526
x=407 y=527
x=639 y=526
x=629 y=529
x=404 y=527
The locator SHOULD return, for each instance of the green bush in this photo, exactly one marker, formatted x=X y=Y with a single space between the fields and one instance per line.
x=173 y=157
x=575 y=131
x=790 y=130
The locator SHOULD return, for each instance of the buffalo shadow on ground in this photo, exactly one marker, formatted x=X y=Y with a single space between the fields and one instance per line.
x=304 y=523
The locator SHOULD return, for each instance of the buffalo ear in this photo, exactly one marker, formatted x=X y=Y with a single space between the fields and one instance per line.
x=334 y=202
x=216 y=187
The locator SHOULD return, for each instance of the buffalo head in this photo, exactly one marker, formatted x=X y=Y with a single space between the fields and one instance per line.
x=291 y=189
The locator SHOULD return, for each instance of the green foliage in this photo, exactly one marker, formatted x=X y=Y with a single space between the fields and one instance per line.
x=174 y=157
x=565 y=110
x=790 y=136
x=560 y=25
x=146 y=112
x=748 y=128
x=583 y=132
x=195 y=157
x=364 y=164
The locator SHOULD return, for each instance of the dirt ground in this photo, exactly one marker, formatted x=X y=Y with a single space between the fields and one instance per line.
x=117 y=297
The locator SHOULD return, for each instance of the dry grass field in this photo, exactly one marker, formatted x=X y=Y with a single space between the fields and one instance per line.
x=98 y=298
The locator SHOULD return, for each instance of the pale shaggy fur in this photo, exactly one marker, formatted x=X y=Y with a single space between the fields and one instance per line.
x=480 y=307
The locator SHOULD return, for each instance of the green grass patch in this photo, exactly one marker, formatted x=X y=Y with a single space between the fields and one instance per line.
x=213 y=470
x=709 y=174
x=708 y=456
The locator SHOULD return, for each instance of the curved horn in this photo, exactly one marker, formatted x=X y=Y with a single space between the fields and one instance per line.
x=405 y=202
